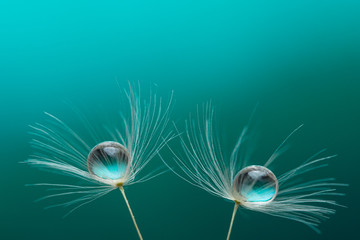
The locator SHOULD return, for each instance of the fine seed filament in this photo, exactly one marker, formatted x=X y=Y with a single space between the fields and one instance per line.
x=232 y=219
x=131 y=213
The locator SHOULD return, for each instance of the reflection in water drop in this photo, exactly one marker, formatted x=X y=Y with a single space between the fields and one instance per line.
x=109 y=160
x=255 y=184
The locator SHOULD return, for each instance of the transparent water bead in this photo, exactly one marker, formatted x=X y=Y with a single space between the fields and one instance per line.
x=109 y=160
x=256 y=185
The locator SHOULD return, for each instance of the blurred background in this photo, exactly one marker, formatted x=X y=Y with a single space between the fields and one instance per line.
x=299 y=60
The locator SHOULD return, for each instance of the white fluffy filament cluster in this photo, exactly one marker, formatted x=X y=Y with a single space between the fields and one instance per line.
x=143 y=132
x=205 y=167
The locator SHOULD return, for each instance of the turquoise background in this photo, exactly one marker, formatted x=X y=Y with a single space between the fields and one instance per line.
x=300 y=60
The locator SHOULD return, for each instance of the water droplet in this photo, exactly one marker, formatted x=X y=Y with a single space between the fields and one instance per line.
x=255 y=185
x=109 y=160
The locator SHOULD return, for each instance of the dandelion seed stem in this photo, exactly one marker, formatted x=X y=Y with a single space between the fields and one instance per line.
x=232 y=219
x=131 y=213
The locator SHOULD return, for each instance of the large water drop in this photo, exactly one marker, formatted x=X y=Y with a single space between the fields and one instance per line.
x=255 y=184
x=109 y=160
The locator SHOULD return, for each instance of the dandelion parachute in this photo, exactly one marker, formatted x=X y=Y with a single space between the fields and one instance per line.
x=114 y=161
x=253 y=187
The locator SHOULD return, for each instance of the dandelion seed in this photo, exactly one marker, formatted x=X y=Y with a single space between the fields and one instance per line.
x=116 y=159
x=253 y=187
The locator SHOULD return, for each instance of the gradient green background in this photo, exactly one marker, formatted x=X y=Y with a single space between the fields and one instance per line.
x=300 y=60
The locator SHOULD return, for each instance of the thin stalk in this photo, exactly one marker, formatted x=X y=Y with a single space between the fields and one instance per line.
x=131 y=213
x=232 y=219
